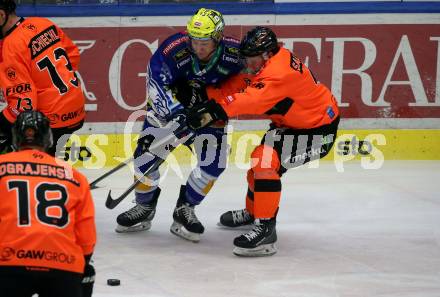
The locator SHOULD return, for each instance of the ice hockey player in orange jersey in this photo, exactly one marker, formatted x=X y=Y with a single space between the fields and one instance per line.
x=47 y=224
x=305 y=119
x=37 y=72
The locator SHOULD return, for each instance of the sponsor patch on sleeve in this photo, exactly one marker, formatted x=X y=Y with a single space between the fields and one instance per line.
x=233 y=51
x=173 y=44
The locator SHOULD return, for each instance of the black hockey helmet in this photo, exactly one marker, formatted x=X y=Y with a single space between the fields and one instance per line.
x=8 y=5
x=258 y=41
x=32 y=128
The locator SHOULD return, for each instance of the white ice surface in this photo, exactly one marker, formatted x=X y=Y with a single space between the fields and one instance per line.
x=361 y=233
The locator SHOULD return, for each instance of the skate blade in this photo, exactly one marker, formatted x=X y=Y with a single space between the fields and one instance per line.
x=142 y=226
x=242 y=227
x=260 y=251
x=180 y=230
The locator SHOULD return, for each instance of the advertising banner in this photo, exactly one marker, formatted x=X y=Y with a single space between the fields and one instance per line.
x=387 y=71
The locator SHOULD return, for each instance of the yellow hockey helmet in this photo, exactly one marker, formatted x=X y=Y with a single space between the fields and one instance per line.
x=206 y=24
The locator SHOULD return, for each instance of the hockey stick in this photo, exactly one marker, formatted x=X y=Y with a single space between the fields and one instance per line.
x=171 y=141
x=110 y=172
x=111 y=203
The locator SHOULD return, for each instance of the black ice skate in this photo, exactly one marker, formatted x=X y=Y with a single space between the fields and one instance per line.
x=260 y=241
x=139 y=217
x=236 y=219
x=186 y=224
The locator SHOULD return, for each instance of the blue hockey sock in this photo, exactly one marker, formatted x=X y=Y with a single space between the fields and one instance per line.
x=145 y=197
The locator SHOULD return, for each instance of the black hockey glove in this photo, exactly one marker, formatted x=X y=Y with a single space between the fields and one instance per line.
x=144 y=144
x=5 y=135
x=5 y=144
x=198 y=96
x=205 y=114
x=189 y=96
x=88 y=278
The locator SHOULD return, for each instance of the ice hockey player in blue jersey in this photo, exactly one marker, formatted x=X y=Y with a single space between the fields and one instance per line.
x=197 y=57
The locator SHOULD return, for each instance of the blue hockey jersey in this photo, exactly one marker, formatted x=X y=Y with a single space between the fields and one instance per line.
x=174 y=62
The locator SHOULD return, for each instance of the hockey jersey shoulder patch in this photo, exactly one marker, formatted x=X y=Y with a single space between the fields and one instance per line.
x=182 y=57
x=182 y=54
x=233 y=51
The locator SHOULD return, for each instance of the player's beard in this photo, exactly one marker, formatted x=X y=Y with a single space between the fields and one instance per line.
x=253 y=70
x=3 y=25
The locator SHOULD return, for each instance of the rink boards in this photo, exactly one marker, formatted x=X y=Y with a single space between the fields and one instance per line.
x=367 y=146
x=378 y=66
x=384 y=70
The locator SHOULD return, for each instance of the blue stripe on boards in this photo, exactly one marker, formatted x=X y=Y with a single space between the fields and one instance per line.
x=247 y=8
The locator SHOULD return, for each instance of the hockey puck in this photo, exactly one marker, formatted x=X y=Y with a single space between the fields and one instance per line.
x=113 y=282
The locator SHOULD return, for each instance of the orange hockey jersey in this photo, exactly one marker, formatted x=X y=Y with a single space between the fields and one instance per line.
x=37 y=71
x=284 y=90
x=46 y=213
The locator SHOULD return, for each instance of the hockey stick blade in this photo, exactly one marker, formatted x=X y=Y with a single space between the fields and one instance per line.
x=112 y=203
x=94 y=187
x=110 y=172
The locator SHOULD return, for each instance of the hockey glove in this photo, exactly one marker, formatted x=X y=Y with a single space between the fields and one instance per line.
x=88 y=278
x=205 y=114
x=198 y=96
x=5 y=135
x=188 y=95
x=5 y=144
